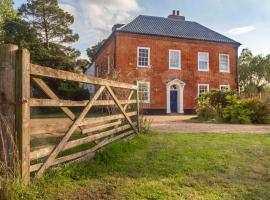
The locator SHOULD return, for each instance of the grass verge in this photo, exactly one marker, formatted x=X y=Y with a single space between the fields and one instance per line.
x=164 y=166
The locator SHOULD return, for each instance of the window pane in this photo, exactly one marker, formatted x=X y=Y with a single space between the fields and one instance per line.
x=174 y=59
x=203 y=61
x=224 y=63
x=143 y=57
x=224 y=88
x=144 y=91
x=203 y=89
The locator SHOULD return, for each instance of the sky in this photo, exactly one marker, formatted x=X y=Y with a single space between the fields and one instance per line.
x=246 y=21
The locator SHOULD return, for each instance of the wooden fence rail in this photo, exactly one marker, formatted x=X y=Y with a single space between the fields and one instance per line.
x=69 y=133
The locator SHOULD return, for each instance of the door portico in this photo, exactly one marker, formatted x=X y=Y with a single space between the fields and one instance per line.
x=178 y=86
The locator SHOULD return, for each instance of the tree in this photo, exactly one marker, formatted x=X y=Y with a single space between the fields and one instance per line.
x=52 y=26
x=45 y=30
x=6 y=13
x=91 y=52
x=50 y=21
x=254 y=73
x=19 y=32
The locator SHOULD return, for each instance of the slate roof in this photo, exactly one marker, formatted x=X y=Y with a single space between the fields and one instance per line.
x=161 y=26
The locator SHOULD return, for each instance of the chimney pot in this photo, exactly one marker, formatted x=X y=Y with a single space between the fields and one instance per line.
x=176 y=16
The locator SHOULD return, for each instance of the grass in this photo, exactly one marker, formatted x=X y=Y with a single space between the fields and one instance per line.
x=165 y=166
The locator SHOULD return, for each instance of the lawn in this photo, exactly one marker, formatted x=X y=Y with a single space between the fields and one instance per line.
x=165 y=166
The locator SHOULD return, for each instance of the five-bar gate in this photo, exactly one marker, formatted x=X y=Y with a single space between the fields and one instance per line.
x=79 y=135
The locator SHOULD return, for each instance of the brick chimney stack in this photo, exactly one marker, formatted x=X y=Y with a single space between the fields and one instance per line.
x=176 y=15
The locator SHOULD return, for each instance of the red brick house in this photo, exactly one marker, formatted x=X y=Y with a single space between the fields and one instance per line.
x=172 y=60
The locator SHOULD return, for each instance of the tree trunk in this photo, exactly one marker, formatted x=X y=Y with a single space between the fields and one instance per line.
x=45 y=28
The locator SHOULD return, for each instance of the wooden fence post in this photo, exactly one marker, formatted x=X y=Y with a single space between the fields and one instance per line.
x=138 y=110
x=7 y=106
x=23 y=112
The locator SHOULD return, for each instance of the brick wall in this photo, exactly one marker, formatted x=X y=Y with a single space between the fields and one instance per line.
x=159 y=73
x=106 y=53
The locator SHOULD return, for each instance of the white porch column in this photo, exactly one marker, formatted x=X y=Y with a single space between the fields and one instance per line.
x=182 y=99
x=168 y=99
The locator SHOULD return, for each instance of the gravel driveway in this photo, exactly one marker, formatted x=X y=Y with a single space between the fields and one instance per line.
x=181 y=123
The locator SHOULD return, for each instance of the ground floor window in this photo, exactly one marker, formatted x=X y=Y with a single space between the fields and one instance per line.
x=202 y=89
x=144 y=91
x=224 y=87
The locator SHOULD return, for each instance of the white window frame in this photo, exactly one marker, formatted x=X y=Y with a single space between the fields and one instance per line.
x=179 y=61
x=149 y=55
x=149 y=91
x=202 y=85
x=228 y=70
x=227 y=85
x=203 y=70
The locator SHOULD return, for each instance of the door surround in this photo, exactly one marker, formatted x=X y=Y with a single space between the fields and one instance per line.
x=180 y=95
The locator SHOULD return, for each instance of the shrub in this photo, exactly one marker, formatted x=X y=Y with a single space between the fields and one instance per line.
x=218 y=100
x=259 y=111
x=229 y=107
x=235 y=111
x=206 y=112
x=211 y=104
x=77 y=93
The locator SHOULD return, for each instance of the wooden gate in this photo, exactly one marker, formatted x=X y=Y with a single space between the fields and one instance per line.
x=78 y=135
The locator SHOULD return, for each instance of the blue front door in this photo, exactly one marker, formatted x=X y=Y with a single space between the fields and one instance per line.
x=173 y=99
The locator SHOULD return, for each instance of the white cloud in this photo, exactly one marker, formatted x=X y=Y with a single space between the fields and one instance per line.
x=241 y=30
x=101 y=15
x=95 y=18
x=68 y=8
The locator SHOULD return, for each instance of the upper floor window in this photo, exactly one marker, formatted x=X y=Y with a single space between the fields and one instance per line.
x=224 y=63
x=224 y=88
x=144 y=91
x=203 y=61
x=174 y=59
x=143 y=57
x=202 y=89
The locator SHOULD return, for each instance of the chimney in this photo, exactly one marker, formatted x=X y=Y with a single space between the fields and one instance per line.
x=176 y=15
x=116 y=26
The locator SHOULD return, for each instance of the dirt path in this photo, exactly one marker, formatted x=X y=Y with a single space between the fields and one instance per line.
x=178 y=123
x=182 y=124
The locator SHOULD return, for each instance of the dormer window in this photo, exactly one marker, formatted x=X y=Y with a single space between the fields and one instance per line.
x=143 y=57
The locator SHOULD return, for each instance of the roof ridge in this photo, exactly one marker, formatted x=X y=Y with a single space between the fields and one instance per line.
x=166 y=18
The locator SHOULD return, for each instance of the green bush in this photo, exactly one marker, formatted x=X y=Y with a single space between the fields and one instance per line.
x=229 y=107
x=211 y=104
x=235 y=111
x=206 y=112
x=76 y=93
x=259 y=111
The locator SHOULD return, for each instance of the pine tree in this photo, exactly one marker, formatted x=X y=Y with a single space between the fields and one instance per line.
x=50 y=21
x=51 y=26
